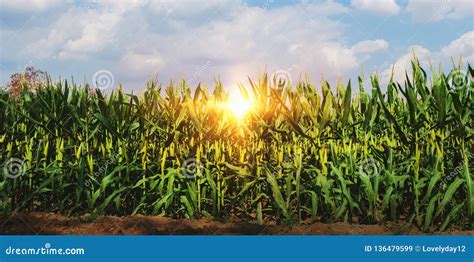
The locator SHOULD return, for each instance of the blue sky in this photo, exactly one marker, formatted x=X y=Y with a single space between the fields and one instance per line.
x=229 y=39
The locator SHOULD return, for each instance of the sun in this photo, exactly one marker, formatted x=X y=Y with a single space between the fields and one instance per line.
x=238 y=105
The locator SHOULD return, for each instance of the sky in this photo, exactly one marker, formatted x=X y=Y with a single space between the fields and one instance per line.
x=200 y=41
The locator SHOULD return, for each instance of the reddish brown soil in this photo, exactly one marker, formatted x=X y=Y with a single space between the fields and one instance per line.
x=53 y=224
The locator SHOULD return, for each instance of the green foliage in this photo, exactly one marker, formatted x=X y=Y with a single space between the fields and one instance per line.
x=300 y=154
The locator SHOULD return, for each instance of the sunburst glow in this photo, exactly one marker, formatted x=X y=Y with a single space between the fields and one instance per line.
x=238 y=105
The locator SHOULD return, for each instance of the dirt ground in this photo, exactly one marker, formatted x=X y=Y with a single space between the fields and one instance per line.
x=53 y=224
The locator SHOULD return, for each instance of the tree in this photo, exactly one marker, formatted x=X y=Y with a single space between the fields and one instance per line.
x=30 y=78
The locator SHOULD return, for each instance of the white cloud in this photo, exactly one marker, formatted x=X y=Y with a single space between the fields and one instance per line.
x=140 y=64
x=464 y=46
x=369 y=46
x=94 y=37
x=383 y=7
x=79 y=33
x=423 y=10
x=460 y=46
x=403 y=64
x=25 y=6
x=193 y=8
x=365 y=49
x=176 y=38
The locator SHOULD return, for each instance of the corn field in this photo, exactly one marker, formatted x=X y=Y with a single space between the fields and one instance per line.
x=302 y=154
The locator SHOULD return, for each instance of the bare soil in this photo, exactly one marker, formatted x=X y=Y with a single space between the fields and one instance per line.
x=53 y=224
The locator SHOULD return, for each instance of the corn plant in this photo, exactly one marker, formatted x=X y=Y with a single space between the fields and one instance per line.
x=300 y=154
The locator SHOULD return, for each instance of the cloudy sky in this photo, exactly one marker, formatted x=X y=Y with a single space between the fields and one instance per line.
x=229 y=39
